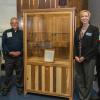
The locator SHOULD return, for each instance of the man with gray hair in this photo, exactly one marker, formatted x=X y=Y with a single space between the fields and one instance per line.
x=12 y=44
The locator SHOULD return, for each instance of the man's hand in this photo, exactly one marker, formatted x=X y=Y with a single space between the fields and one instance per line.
x=15 y=53
x=77 y=59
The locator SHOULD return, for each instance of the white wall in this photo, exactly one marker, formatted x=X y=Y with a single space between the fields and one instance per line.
x=7 y=10
x=94 y=7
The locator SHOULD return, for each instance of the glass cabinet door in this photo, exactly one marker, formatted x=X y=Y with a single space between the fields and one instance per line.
x=48 y=31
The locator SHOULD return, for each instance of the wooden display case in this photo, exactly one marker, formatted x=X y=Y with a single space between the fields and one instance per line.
x=48 y=51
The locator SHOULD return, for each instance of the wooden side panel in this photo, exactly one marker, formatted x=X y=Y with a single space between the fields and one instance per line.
x=52 y=4
x=36 y=78
x=54 y=79
x=33 y=77
x=63 y=80
x=25 y=4
x=58 y=80
x=36 y=4
x=51 y=79
x=19 y=13
x=57 y=3
x=28 y=76
x=43 y=78
x=47 y=78
x=32 y=4
x=40 y=78
x=68 y=80
x=41 y=4
x=47 y=4
x=71 y=3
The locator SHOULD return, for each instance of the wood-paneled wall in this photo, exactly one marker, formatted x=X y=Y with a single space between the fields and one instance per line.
x=35 y=4
x=44 y=4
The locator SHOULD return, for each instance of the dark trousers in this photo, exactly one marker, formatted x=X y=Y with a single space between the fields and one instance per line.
x=84 y=78
x=98 y=70
x=12 y=64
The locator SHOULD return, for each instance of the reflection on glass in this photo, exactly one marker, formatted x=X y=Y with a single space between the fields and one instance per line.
x=48 y=32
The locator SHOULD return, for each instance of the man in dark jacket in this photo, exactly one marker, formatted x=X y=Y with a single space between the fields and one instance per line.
x=12 y=44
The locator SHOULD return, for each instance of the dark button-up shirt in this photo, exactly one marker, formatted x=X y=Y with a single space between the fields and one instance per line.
x=12 y=41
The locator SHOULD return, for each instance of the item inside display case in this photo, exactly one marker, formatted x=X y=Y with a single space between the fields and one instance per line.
x=49 y=55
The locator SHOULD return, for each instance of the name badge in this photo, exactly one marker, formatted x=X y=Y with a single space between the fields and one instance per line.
x=9 y=34
x=89 y=34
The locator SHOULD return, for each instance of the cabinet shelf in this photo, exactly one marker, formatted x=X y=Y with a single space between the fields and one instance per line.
x=40 y=61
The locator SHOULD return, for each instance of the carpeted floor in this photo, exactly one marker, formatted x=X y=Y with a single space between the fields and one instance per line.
x=14 y=96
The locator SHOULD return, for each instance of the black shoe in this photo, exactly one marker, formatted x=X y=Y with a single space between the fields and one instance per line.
x=4 y=92
x=19 y=91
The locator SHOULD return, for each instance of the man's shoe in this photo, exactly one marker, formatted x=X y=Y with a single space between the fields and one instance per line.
x=4 y=92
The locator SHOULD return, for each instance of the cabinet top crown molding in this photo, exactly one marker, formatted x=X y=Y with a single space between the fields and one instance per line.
x=50 y=10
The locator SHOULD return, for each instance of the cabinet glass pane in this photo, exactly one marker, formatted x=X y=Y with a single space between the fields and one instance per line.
x=48 y=31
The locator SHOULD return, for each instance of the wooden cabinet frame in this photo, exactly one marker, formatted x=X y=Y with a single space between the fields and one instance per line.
x=49 y=29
